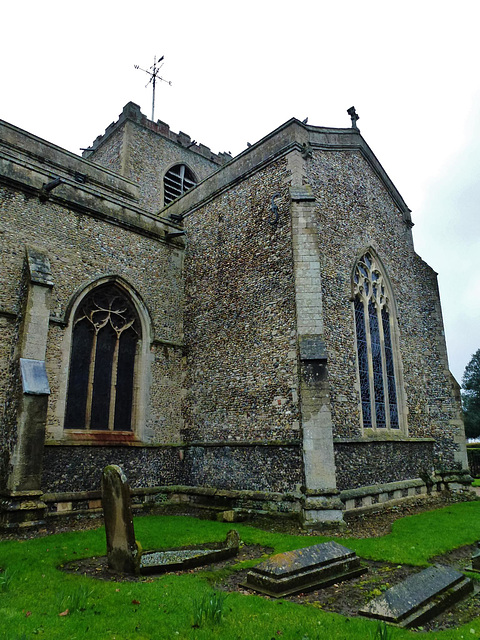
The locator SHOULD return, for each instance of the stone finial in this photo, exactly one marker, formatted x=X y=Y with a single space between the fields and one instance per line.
x=122 y=550
x=354 y=117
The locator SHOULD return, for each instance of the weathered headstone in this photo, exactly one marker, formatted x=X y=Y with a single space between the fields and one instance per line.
x=122 y=551
x=420 y=597
x=305 y=569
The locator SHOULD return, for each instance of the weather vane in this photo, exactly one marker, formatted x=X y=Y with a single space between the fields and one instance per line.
x=153 y=72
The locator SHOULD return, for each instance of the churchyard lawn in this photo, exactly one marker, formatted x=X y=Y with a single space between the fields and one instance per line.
x=38 y=598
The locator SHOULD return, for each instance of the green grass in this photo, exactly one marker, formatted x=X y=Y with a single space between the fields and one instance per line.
x=185 y=605
x=476 y=483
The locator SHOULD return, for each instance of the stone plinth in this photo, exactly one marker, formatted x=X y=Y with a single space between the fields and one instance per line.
x=305 y=569
x=420 y=597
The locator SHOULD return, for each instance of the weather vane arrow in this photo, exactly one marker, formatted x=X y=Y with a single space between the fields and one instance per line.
x=153 y=72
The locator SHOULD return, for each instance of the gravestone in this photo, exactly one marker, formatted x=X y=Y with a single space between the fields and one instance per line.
x=305 y=569
x=122 y=551
x=420 y=597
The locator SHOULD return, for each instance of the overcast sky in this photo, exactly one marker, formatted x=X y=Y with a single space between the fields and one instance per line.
x=239 y=70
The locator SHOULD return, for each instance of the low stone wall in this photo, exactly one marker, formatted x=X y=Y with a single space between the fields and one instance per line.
x=384 y=495
x=232 y=506
x=225 y=505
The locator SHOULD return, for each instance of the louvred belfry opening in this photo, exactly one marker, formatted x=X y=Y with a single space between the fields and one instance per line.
x=176 y=182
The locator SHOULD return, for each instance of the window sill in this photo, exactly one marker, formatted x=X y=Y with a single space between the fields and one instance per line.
x=98 y=438
x=387 y=436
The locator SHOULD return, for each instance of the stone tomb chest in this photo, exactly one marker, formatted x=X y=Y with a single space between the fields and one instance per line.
x=305 y=569
x=420 y=597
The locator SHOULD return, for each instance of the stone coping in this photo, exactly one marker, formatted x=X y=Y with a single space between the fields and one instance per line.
x=376 y=489
x=128 y=441
x=262 y=496
x=382 y=438
x=293 y=135
x=28 y=163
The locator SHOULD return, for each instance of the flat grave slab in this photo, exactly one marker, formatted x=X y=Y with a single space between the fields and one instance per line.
x=420 y=597
x=187 y=558
x=306 y=569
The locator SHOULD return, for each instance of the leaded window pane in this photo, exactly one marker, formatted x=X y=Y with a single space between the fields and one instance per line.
x=77 y=392
x=125 y=379
x=363 y=362
x=376 y=347
x=102 y=380
x=392 y=394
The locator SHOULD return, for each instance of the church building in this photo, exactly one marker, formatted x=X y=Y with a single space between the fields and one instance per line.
x=246 y=335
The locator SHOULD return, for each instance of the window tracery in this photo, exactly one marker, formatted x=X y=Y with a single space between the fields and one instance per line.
x=106 y=332
x=375 y=354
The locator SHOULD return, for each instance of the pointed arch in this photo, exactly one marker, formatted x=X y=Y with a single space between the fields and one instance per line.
x=378 y=358
x=109 y=333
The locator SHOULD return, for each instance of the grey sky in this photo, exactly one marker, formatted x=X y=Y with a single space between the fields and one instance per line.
x=239 y=70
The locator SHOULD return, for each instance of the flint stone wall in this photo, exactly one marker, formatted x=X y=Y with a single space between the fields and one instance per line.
x=90 y=228
x=362 y=464
x=79 y=468
x=240 y=316
x=256 y=468
x=82 y=249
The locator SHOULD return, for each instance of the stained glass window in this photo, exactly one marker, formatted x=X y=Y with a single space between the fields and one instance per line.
x=106 y=330
x=375 y=356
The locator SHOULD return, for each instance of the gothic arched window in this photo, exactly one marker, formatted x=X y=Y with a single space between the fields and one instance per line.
x=374 y=330
x=177 y=180
x=106 y=333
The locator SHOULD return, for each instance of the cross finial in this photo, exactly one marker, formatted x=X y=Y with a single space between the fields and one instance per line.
x=354 y=116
